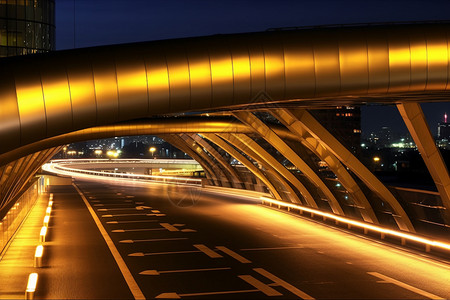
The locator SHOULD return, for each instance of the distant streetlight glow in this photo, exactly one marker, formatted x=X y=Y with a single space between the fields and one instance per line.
x=376 y=159
x=152 y=150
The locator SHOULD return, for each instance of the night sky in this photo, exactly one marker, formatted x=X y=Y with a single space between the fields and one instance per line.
x=103 y=22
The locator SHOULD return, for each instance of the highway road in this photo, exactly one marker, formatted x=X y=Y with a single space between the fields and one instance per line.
x=180 y=241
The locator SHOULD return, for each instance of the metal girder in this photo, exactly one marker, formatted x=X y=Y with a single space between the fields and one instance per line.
x=333 y=163
x=234 y=177
x=417 y=125
x=271 y=137
x=247 y=142
x=349 y=160
x=178 y=142
x=221 y=175
x=243 y=160
x=264 y=159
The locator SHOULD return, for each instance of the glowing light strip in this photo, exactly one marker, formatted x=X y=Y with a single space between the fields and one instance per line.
x=372 y=227
x=39 y=251
x=32 y=282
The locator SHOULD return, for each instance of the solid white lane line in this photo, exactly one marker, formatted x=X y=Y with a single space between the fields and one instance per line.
x=169 y=227
x=156 y=272
x=404 y=285
x=267 y=290
x=140 y=254
x=124 y=208
x=131 y=230
x=284 y=284
x=211 y=253
x=178 y=296
x=133 y=286
x=273 y=248
x=149 y=240
x=233 y=255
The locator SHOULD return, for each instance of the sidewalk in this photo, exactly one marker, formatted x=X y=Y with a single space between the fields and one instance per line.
x=17 y=263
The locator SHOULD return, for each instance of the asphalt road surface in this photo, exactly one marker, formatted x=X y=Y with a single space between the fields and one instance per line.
x=179 y=241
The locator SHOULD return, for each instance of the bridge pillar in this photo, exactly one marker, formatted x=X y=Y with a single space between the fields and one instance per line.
x=414 y=118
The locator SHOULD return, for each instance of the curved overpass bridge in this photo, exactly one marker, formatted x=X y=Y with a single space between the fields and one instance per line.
x=207 y=97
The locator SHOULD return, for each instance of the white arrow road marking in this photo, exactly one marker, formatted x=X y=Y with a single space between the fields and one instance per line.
x=404 y=285
x=211 y=253
x=149 y=240
x=155 y=272
x=128 y=215
x=178 y=296
x=233 y=254
x=125 y=208
x=284 y=284
x=260 y=285
x=168 y=296
x=132 y=221
x=140 y=254
x=141 y=229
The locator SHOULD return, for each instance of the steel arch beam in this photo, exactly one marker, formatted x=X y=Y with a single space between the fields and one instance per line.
x=417 y=125
x=264 y=159
x=334 y=164
x=234 y=177
x=348 y=159
x=244 y=161
x=51 y=94
x=220 y=174
x=178 y=142
x=271 y=137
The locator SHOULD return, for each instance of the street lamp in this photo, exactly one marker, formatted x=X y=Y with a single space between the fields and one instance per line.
x=152 y=150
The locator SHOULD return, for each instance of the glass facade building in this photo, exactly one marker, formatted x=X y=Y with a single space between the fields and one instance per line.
x=26 y=26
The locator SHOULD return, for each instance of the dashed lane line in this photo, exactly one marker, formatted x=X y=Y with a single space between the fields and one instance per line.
x=234 y=255
x=133 y=215
x=136 y=230
x=169 y=227
x=150 y=240
x=141 y=254
x=211 y=253
x=274 y=248
x=411 y=288
x=132 y=285
x=267 y=290
x=132 y=221
x=284 y=284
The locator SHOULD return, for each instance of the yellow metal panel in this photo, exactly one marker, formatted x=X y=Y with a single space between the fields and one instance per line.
x=353 y=62
x=105 y=84
x=200 y=76
x=299 y=65
x=58 y=105
x=131 y=84
x=221 y=75
x=30 y=101
x=158 y=82
x=418 y=48
x=241 y=72
x=274 y=67
x=257 y=67
x=326 y=62
x=177 y=65
x=399 y=61
x=82 y=93
x=9 y=112
x=437 y=58
x=378 y=61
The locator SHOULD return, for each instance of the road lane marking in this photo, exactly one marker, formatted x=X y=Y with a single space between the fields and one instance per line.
x=178 y=296
x=233 y=255
x=267 y=290
x=131 y=230
x=155 y=211
x=404 y=285
x=132 y=285
x=169 y=227
x=211 y=253
x=156 y=272
x=274 y=248
x=188 y=230
x=124 y=208
x=141 y=254
x=284 y=284
x=132 y=221
x=149 y=240
x=132 y=215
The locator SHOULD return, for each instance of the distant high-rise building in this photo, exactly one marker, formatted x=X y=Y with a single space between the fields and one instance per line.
x=344 y=122
x=444 y=129
x=26 y=26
